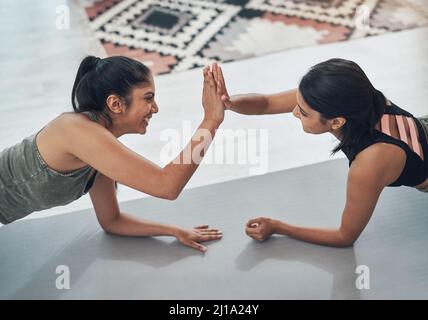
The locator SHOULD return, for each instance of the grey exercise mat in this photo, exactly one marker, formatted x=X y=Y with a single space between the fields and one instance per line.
x=104 y=266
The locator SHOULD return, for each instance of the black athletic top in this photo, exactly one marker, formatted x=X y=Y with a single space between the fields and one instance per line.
x=416 y=170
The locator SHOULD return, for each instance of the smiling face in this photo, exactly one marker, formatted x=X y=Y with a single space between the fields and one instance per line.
x=312 y=121
x=142 y=108
x=133 y=117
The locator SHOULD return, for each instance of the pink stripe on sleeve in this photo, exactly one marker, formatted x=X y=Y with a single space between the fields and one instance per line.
x=414 y=137
x=384 y=122
x=401 y=128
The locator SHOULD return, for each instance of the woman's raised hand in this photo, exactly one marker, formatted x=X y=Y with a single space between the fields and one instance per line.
x=211 y=100
x=221 y=86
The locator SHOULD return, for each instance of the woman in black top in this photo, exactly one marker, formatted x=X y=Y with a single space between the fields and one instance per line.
x=385 y=145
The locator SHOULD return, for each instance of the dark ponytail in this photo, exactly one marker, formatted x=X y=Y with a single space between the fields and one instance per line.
x=97 y=78
x=340 y=88
x=379 y=104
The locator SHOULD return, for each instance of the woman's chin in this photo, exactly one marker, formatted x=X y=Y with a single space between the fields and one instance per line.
x=142 y=130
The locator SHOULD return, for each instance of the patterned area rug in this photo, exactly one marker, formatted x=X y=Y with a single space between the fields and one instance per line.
x=176 y=35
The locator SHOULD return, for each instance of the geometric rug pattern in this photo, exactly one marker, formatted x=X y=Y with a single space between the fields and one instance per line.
x=177 y=35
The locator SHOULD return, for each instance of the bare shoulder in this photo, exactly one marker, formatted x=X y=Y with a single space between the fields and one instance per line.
x=60 y=136
x=72 y=118
x=55 y=131
x=72 y=130
x=77 y=124
x=382 y=153
x=382 y=162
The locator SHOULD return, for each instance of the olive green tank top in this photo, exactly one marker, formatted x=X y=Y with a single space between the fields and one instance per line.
x=28 y=184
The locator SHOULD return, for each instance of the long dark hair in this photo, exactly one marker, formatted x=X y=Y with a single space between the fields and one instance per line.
x=340 y=88
x=97 y=78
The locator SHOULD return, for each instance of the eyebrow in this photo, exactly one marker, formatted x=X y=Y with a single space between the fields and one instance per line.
x=149 y=93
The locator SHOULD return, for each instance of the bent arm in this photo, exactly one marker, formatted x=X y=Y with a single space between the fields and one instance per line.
x=360 y=203
x=369 y=174
x=103 y=197
x=97 y=147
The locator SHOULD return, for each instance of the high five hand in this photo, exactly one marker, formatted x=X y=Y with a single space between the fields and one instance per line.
x=213 y=106
x=221 y=85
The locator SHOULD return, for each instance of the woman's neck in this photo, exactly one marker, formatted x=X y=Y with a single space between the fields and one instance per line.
x=116 y=131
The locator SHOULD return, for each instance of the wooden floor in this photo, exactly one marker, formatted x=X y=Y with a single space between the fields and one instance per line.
x=38 y=64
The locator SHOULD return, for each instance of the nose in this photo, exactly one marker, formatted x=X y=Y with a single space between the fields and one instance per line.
x=154 y=108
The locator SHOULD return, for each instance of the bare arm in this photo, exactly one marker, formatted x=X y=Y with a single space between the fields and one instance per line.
x=103 y=196
x=253 y=103
x=97 y=147
x=258 y=104
x=370 y=172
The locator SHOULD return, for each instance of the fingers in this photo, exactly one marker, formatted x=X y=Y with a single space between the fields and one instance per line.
x=221 y=78
x=255 y=221
x=251 y=231
x=203 y=226
x=208 y=76
x=211 y=78
x=204 y=229
x=205 y=234
x=201 y=233
x=205 y=77
x=257 y=237
x=202 y=238
x=214 y=68
x=210 y=231
x=217 y=80
x=210 y=237
x=255 y=234
x=205 y=71
x=197 y=246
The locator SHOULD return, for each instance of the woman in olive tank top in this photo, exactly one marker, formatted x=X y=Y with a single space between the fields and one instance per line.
x=79 y=152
